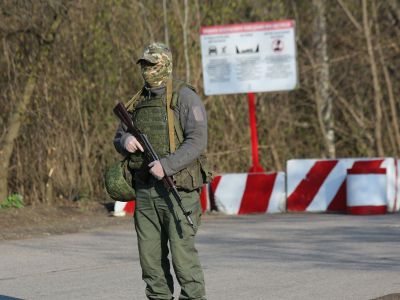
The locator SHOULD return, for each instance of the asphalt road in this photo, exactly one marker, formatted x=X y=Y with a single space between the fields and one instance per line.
x=285 y=256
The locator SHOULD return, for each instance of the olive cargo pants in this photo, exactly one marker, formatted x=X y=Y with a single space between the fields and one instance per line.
x=159 y=220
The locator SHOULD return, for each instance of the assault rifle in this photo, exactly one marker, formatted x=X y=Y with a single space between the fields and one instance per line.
x=126 y=119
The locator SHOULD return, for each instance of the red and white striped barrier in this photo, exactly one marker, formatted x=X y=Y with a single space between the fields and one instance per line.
x=207 y=203
x=249 y=193
x=320 y=185
x=366 y=191
x=121 y=209
x=313 y=185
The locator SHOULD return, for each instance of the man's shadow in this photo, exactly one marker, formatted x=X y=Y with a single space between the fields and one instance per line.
x=2 y=297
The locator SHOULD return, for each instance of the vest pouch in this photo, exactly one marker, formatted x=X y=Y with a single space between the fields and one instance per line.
x=137 y=160
x=138 y=164
x=190 y=178
x=206 y=173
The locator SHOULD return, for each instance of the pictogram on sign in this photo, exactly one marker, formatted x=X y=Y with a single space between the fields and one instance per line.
x=277 y=45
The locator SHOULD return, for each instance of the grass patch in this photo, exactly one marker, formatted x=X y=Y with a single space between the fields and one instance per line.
x=12 y=201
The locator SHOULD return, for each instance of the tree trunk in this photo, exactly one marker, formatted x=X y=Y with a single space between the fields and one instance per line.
x=322 y=82
x=388 y=80
x=166 y=31
x=145 y=15
x=185 y=40
x=375 y=79
x=395 y=5
x=184 y=24
x=16 y=117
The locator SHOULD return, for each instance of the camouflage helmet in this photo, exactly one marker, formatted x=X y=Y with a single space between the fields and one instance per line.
x=116 y=182
x=158 y=66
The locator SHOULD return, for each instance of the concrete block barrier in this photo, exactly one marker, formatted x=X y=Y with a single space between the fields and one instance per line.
x=319 y=185
x=247 y=193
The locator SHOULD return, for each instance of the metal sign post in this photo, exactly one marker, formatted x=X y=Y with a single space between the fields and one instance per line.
x=256 y=167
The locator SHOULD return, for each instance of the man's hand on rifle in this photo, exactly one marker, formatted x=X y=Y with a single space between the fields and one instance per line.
x=132 y=144
x=156 y=169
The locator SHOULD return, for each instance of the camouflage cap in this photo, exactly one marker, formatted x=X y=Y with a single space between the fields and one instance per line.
x=155 y=53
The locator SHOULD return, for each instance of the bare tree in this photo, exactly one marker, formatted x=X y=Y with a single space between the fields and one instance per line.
x=388 y=81
x=375 y=80
x=166 y=31
x=322 y=80
x=395 y=5
x=184 y=25
x=145 y=14
x=185 y=40
x=17 y=116
x=56 y=108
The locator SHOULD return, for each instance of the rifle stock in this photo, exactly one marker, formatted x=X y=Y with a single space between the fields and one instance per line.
x=121 y=112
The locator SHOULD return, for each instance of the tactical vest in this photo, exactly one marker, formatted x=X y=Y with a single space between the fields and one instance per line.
x=150 y=117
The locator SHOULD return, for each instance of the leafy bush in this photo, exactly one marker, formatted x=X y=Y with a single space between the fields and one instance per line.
x=14 y=200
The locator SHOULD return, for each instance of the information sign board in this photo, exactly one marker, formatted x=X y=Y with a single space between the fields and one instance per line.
x=249 y=57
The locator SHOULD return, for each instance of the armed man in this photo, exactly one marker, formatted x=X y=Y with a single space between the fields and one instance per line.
x=172 y=116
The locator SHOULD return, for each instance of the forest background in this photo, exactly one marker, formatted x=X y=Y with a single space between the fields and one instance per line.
x=65 y=63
